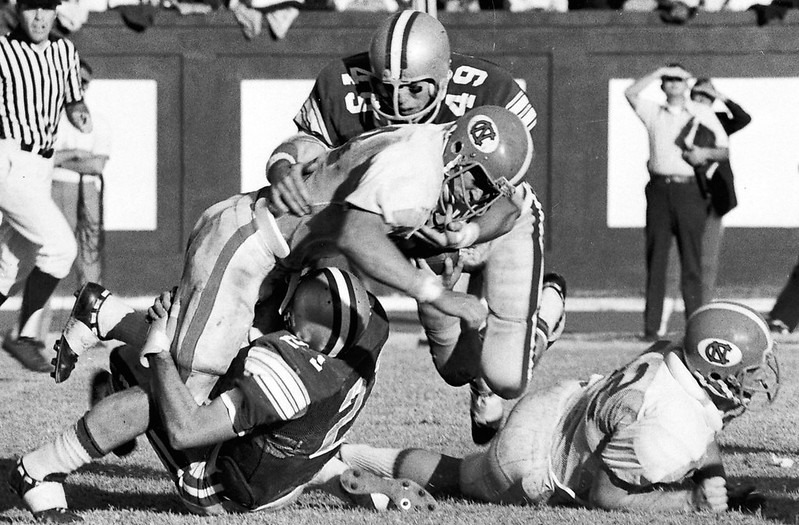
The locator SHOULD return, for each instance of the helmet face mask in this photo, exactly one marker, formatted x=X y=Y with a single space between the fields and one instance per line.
x=409 y=57
x=729 y=349
x=487 y=153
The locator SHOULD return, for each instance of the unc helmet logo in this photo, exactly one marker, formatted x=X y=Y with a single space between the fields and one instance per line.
x=482 y=132
x=719 y=352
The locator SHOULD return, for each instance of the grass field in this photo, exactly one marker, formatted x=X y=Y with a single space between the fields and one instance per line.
x=410 y=406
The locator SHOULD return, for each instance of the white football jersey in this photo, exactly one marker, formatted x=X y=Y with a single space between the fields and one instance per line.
x=647 y=423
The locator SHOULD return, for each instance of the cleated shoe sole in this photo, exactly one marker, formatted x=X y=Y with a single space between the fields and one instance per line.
x=403 y=494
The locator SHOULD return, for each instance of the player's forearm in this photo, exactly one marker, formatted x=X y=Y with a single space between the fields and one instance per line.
x=655 y=501
x=365 y=242
x=175 y=403
x=497 y=220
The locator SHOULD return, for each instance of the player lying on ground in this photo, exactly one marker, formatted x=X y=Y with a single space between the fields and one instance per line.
x=409 y=76
x=379 y=186
x=642 y=438
x=272 y=429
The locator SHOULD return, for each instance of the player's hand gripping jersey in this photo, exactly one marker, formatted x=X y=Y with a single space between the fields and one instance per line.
x=339 y=106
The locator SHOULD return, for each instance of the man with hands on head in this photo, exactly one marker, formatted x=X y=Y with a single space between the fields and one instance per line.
x=675 y=204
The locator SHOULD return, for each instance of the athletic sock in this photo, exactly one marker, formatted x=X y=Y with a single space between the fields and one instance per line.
x=39 y=286
x=72 y=449
x=378 y=461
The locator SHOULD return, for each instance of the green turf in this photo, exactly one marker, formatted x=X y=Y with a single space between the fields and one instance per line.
x=410 y=406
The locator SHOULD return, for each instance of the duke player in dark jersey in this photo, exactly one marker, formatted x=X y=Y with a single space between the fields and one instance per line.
x=409 y=76
x=273 y=426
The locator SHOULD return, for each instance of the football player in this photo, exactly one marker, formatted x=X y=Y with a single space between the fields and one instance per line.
x=380 y=185
x=409 y=76
x=642 y=438
x=272 y=428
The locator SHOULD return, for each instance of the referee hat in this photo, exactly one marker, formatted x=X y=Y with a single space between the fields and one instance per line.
x=38 y=4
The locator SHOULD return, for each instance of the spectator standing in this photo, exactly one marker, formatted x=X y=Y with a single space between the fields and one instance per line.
x=80 y=159
x=40 y=77
x=675 y=205
x=720 y=180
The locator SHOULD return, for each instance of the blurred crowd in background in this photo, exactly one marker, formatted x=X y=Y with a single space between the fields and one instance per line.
x=274 y=17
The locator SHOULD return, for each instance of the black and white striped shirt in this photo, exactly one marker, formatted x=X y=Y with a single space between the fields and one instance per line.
x=35 y=86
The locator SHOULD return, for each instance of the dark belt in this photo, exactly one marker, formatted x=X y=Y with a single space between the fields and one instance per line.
x=46 y=153
x=674 y=179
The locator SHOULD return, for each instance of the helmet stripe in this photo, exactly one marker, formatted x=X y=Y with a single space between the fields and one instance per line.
x=343 y=305
x=397 y=42
x=715 y=305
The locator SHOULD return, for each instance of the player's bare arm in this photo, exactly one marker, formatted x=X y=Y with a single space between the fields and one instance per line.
x=495 y=222
x=287 y=192
x=187 y=424
x=609 y=494
x=365 y=241
x=708 y=492
x=79 y=116
x=498 y=219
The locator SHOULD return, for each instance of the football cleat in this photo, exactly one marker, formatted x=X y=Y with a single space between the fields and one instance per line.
x=28 y=351
x=370 y=491
x=80 y=331
x=486 y=413
x=102 y=387
x=45 y=499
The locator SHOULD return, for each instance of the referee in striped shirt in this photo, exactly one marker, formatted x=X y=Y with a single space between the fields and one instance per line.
x=40 y=77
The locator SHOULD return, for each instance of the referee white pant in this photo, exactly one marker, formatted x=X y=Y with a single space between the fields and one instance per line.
x=33 y=229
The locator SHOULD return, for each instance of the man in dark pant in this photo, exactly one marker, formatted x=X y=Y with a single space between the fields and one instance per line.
x=675 y=205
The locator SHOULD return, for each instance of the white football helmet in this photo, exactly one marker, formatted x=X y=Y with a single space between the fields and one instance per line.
x=489 y=148
x=408 y=47
x=730 y=351
x=328 y=309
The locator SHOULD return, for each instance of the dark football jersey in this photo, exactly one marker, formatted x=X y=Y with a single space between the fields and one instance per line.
x=339 y=106
x=298 y=406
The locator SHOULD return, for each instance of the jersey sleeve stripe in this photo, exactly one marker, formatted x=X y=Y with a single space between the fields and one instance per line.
x=311 y=121
x=280 y=384
x=520 y=105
